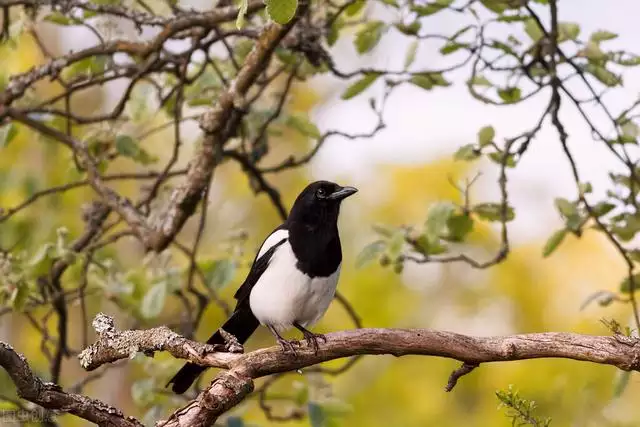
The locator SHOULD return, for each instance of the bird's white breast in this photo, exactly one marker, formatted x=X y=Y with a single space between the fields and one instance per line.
x=284 y=295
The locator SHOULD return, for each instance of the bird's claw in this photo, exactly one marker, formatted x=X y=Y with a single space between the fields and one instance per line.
x=312 y=339
x=287 y=346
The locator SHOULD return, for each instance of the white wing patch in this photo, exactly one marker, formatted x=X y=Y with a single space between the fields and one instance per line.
x=272 y=240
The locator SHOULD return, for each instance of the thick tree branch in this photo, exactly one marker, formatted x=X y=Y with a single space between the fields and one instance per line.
x=51 y=396
x=230 y=386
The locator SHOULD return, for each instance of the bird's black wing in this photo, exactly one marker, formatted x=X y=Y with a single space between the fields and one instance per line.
x=259 y=266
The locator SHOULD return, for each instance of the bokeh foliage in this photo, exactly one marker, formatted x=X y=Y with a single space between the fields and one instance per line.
x=407 y=228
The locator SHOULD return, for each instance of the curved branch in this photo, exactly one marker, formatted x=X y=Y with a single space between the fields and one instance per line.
x=231 y=386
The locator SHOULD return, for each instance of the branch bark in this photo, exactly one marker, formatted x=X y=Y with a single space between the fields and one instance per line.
x=233 y=384
x=51 y=396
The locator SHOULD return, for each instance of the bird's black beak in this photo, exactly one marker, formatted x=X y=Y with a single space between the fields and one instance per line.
x=343 y=193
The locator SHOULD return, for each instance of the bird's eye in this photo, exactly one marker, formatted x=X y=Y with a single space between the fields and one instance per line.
x=320 y=192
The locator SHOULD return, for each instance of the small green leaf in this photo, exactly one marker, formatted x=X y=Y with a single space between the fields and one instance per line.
x=625 y=286
x=431 y=8
x=605 y=76
x=493 y=211
x=360 y=86
x=603 y=35
x=59 y=18
x=304 y=126
x=568 y=31
x=510 y=95
x=281 y=11
x=396 y=244
x=242 y=11
x=153 y=300
x=218 y=273
x=553 y=242
x=7 y=133
x=452 y=47
x=459 y=226
x=467 y=152
x=437 y=217
x=486 y=135
x=498 y=157
x=410 y=30
x=370 y=253
x=602 y=208
x=429 y=80
x=411 y=54
x=533 y=30
x=369 y=36
x=479 y=80
x=565 y=207
x=127 y=146
x=355 y=7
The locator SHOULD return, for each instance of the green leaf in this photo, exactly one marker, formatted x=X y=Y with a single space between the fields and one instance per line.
x=565 y=207
x=355 y=7
x=431 y=8
x=498 y=157
x=467 y=152
x=370 y=253
x=242 y=11
x=59 y=18
x=533 y=30
x=602 y=208
x=7 y=133
x=493 y=211
x=479 y=80
x=510 y=95
x=437 y=217
x=452 y=47
x=486 y=135
x=568 y=31
x=428 y=80
x=410 y=56
x=410 y=30
x=605 y=76
x=127 y=146
x=218 y=273
x=369 y=36
x=303 y=125
x=360 y=86
x=553 y=242
x=625 y=286
x=603 y=35
x=396 y=244
x=153 y=300
x=281 y=11
x=459 y=226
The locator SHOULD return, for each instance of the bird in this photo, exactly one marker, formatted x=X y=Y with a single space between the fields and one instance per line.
x=292 y=280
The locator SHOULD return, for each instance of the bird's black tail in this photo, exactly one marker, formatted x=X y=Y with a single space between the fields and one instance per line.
x=241 y=324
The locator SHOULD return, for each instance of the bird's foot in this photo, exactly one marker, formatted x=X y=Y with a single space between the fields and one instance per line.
x=312 y=339
x=287 y=346
x=231 y=343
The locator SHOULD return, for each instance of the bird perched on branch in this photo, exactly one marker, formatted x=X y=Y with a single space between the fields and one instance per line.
x=293 y=278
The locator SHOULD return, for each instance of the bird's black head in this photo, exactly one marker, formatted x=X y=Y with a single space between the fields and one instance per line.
x=319 y=203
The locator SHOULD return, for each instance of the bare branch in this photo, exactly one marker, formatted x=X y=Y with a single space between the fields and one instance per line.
x=51 y=396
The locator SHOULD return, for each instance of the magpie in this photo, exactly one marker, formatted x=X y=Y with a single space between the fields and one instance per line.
x=293 y=277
